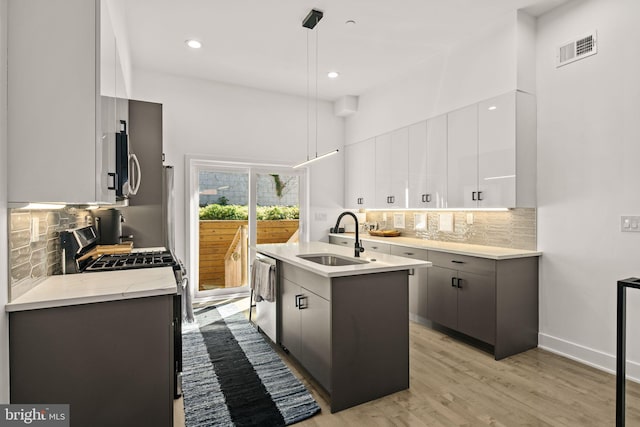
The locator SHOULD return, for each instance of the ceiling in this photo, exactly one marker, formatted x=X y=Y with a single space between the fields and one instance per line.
x=262 y=44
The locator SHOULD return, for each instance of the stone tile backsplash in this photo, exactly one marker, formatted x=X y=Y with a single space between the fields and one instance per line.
x=515 y=228
x=32 y=259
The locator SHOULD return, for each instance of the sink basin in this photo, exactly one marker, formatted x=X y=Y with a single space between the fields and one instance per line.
x=332 y=260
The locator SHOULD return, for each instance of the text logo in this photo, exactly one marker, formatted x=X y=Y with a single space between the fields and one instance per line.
x=34 y=415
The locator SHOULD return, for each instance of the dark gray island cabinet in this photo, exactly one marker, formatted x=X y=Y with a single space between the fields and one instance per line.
x=345 y=322
x=350 y=333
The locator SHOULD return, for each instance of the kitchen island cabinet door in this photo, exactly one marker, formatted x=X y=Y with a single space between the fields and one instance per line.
x=315 y=339
x=477 y=306
x=442 y=296
x=290 y=329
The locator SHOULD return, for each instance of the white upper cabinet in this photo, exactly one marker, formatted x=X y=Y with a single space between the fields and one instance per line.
x=418 y=170
x=480 y=156
x=462 y=162
x=497 y=151
x=428 y=164
x=360 y=174
x=391 y=169
x=55 y=138
x=492 y=153
x=437 y=162
x=507 y=151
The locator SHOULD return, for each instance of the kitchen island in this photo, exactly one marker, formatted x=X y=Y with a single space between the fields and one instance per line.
x=345 y=324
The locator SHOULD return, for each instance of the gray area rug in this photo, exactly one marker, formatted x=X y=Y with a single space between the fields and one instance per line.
x=232 y=376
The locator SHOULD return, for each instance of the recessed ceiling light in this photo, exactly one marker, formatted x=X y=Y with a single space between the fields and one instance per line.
x=493 y=107
x=333 y=74
x=193 y=44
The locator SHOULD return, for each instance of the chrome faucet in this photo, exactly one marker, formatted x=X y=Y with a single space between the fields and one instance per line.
x=358 y=245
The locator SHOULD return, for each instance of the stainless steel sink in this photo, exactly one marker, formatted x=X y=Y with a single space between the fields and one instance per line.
x=332 y=259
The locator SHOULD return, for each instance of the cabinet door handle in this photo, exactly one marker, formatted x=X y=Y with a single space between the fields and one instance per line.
x=300 y=306
x=115 y=180
x=428 y=198
x=424 y=198
x=458 y=281
x=453 y=282
x=298 y=300
x=457 y=262
x=360 y=200
x=393 y=199
x=480 y=195
x=473 y=196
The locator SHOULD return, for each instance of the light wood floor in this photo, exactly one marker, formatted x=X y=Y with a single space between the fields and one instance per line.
x=454 y=384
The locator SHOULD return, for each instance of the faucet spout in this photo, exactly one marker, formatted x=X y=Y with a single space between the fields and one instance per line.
x=358 y=246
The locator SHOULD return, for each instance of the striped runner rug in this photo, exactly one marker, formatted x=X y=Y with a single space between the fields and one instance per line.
x=232 y=377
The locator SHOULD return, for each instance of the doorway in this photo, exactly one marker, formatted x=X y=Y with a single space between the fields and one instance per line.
x=237 y=206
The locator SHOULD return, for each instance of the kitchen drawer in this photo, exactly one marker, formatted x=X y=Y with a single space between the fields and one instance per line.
x=343 y=241
x=319 y=285
x=410 y=252
x=464 y=263
x=372 y=246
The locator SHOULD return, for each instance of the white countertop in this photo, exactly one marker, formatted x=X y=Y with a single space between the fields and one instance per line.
x=490 y=252
x=378 y=262
x=85 y=288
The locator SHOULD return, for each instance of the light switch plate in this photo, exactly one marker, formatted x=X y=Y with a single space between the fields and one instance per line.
x=446 y=222
x=398 y=220
x=630 y=224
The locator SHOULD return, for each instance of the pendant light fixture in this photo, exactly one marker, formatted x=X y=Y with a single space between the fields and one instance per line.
x=310 y=23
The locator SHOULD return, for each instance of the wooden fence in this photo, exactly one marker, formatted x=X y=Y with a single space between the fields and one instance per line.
x=224 y=249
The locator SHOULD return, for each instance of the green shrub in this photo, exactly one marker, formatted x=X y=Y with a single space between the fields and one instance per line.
x=237 y=212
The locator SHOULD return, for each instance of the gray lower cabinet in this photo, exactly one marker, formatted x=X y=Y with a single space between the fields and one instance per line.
x=306 y=330
x=493 y=301
x=417 y=282
x=111 y=361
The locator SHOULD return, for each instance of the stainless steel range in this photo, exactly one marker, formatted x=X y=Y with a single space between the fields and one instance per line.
x=77 y=248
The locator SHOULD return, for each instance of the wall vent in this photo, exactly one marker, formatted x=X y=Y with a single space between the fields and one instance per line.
x=576 y=49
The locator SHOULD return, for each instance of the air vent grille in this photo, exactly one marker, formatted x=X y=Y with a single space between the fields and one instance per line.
x=576 y=49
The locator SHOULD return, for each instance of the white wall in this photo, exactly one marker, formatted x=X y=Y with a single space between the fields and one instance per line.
x=481 y=67
x=4 y=274
x=588 y=175
x=232 y=122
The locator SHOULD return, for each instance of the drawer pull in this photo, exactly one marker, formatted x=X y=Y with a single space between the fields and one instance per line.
x=408 y=253
x=374 y=247
x=457 y=262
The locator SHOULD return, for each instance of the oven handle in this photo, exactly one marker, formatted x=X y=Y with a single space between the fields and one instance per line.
x=188 y=315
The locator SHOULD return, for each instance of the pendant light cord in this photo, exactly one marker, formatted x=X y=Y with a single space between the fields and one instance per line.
x=308 y=109
x=317 y=30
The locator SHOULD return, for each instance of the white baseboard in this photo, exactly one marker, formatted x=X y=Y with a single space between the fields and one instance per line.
x=588 y=356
